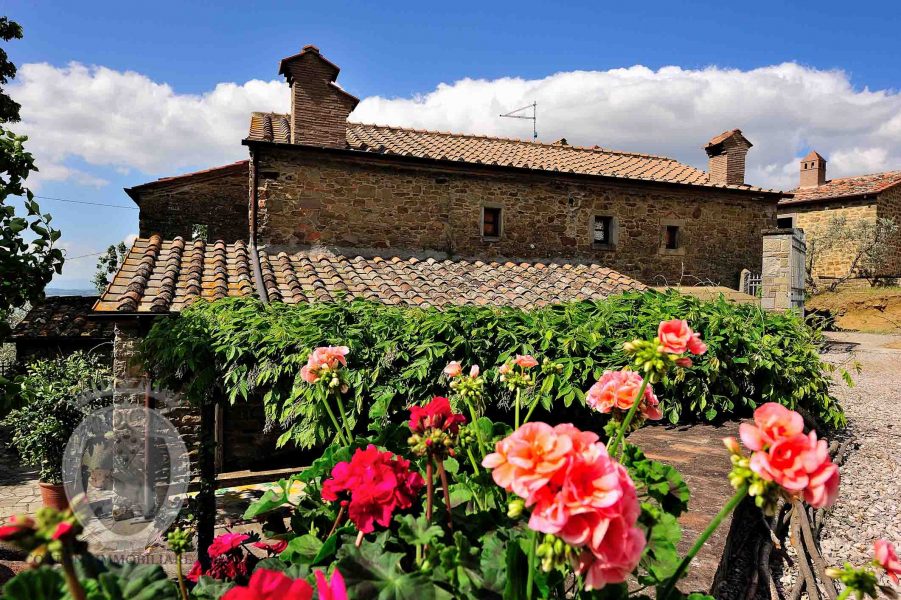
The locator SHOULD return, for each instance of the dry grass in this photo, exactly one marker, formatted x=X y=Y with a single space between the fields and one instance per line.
x=863 y=308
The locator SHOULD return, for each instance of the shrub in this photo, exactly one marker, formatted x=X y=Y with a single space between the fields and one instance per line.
x=51 y=408
x=248 y=349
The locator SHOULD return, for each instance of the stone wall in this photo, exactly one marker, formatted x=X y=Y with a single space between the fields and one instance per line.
x=815 y=218
x=216 y=198
x=890 y=208
x=308 y=197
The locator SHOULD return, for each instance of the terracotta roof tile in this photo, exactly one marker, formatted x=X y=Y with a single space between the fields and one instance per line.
x=165 y=276
x=63 y=317
x=845 y=187
x=481 y=149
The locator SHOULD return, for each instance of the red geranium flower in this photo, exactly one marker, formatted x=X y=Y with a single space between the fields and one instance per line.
x=226 y=542
x=437 y=414
x=276 y=547
x=270 y=585
x=377 y=483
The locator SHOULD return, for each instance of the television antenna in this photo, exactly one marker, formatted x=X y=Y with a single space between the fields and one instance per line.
x=514 y=114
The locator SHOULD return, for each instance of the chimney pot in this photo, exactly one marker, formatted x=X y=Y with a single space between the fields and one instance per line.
x=319 y=107
x=813 y=170
x=726 y=158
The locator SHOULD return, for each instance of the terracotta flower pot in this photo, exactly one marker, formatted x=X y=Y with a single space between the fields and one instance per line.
x=54 y=495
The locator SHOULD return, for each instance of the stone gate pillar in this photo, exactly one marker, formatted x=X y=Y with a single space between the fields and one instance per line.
x=783 y=270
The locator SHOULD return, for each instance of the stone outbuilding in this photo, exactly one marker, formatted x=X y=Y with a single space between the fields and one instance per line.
x=818 y=200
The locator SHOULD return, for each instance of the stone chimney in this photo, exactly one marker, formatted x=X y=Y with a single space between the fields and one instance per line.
x=319 y=107
x=813 y=170
x=726 y=158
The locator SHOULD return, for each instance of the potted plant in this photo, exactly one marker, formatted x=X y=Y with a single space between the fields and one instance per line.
x=50 y=411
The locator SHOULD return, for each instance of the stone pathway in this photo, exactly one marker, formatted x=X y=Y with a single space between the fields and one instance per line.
x=698 y=453
x=869 y=503
x=19 y=491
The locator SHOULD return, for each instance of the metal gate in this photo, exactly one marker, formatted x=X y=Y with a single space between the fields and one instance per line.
x=798 y=262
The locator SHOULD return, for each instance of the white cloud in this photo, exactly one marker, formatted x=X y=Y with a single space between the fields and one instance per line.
x=783 y=109
x=124 y=120
x=127 y=121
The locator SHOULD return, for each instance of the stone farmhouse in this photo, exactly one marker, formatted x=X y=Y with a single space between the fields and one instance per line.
x=325 y=207
x=817 y=200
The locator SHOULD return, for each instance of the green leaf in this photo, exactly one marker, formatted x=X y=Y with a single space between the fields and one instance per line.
x=44 y=583
x=269 y=501
x=451 y=465
x=417 y=531
x=371 y=572
x=208 y=588
x=303 y=549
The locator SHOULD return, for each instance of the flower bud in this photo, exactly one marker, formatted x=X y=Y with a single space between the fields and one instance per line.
x=732 y=445
x=515 y=508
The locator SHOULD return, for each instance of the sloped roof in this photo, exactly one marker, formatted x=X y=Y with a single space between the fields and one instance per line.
x=160 y=276
x=486 y=150
x=845 y=187
x=62 y=317
x=204 y=174
x=812 y=155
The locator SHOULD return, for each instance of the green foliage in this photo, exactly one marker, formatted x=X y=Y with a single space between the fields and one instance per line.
x=254 y=351
x=108 y=264
x=44 y=583
x=28 y=258
x=52 y=408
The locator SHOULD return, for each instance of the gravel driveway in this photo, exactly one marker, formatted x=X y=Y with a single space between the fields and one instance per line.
x=869 y=504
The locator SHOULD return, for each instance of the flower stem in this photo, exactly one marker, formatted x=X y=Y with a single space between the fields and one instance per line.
x=447 y=503
x=475 y=472
x=614 y=448
x=350 y=434
x=337 y=522
x=75 y=589
x=531 y=409
x=740 y=495
x=533 y=548
x=429 y=488
x=472 y=413
x=338 y=430
x=181 y=578
x=516 y=420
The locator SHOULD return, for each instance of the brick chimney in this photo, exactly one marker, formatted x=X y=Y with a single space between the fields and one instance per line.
x=726 y=158
x=319 y=107
x=813 y=170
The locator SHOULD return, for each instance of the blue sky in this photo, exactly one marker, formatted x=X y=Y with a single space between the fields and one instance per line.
x=411 y=62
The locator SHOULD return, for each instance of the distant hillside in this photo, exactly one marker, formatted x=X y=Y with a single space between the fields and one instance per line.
x=55 y=291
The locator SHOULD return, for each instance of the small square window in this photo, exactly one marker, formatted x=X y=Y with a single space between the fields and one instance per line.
x=671 y=237
x=602 y=231
x=491 y=222
x=785 y=222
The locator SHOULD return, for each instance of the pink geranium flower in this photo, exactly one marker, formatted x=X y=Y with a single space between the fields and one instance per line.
x=323 y=358
x=330 y=589
x=676 y=337
x=576 y=492
x=453 y=369
x=270 y=585
x=616 y=390
x=885 y=556
x=799 y=463
x=771 y=422
x=525 y=361
x=528 y=458
x=474 y=371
